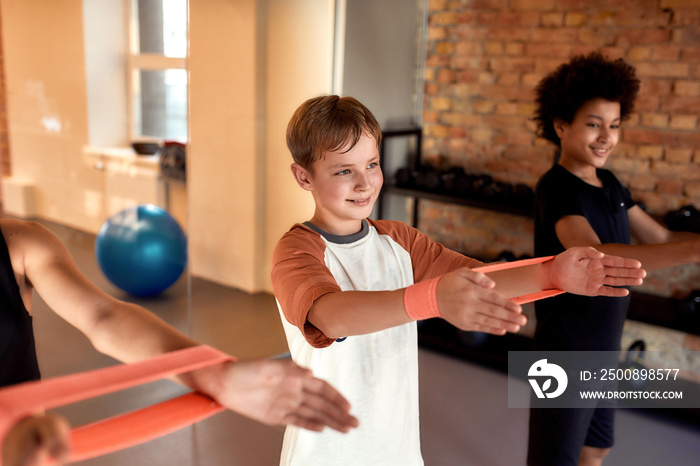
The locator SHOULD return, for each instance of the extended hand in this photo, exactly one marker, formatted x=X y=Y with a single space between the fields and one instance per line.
x=279 y=392
x=586 y=271
x=467 y=300
x=37 y=440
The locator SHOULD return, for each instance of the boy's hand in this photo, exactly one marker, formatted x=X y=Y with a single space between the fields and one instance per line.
x=467 y=300
x=37 y=440
x=586 y=271
x=279 y=392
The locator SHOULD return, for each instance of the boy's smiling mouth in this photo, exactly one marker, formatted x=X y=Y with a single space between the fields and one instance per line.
x=361 y=202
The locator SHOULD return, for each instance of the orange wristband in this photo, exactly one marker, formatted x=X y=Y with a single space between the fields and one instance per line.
x=420 y=300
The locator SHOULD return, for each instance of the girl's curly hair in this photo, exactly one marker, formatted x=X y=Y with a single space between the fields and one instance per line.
x=561 y=93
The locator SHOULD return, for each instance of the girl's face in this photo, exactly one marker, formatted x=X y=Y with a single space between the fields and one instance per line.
x=588 y=141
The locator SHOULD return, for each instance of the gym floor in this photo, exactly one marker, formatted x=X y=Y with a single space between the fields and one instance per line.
x=464 y=414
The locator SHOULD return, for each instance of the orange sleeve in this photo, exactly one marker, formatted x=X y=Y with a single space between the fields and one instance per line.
x=429 y=258
x=300 y=277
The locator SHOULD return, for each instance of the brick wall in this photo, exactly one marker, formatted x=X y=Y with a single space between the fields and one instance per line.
x=484 y=57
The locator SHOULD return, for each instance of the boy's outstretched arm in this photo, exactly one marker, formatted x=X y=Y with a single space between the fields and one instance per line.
x=657 y=246
x=475 y=301
x=465 y=298
x=580 y=270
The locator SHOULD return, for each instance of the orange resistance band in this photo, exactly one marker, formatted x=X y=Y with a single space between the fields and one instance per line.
x=526 y=298
x=126 y=430
x=420 y=299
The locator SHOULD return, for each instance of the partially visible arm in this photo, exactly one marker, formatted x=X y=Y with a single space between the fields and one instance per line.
x=660 y=248
x=269 y=391
x=122 y=330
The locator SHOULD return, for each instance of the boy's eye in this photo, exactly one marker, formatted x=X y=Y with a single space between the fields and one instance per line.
x=343 y=172
x=372 y=165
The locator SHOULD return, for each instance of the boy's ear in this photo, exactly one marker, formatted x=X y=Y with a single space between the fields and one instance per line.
x=559 y=126
x=301 y=175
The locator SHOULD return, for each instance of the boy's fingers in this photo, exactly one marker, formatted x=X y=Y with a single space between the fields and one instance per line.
x=322 y=419
x=621 y=262
x=300 y=421
x=328 y=399
x=593 y=253
x=499 y=332
x=478 y=278
x=496 y=319
x=501 y=307
x=327 y=405
x=613 y=292
x=493 y=327
x=620 y=281
x=325 y=391
x=619 y=272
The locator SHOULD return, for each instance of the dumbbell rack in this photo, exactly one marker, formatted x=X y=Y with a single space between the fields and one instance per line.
x=413 y=161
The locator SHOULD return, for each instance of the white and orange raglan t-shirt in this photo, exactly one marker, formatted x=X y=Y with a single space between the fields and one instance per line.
x=377 y=372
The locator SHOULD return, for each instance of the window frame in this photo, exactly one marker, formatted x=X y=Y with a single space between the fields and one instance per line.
x=137 y=62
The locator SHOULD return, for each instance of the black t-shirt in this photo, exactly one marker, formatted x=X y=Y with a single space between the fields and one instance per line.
x=571 y=322
x=18 y=361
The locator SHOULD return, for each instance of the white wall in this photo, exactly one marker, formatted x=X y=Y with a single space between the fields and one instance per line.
x=223 y=147
x=299 y=66
x=251 y=64
x=47 y=108
x=381 y=59
x=106 y=50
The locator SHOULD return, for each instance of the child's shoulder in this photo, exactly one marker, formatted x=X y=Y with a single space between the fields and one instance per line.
x=607 y=175
x=298 y=237
x=401 y=232
x=557 y=178
x=392 y=227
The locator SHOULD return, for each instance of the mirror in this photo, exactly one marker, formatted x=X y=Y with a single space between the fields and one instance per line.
x=239 y=197
x=73 y=190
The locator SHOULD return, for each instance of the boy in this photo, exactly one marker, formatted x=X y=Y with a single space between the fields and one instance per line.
x=345 y=288
x=34 y=259
x=580 y=107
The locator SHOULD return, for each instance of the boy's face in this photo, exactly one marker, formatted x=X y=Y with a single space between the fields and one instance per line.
x=345 y=186
x=590 y=138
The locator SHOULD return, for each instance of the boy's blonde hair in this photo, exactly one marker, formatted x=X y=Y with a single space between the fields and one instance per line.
x=328 y=123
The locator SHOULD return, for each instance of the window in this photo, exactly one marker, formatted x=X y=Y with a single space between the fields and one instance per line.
x=157 y=69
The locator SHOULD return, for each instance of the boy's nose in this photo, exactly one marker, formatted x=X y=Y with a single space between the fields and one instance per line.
x=362 y=181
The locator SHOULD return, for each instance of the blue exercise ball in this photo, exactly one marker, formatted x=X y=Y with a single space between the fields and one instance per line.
x=142 y=250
